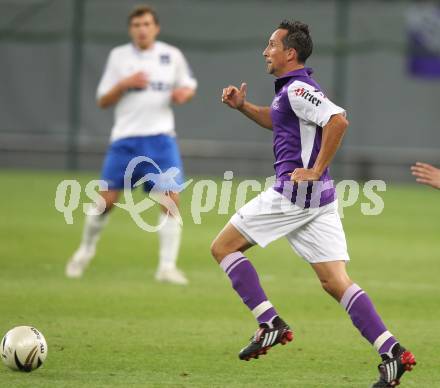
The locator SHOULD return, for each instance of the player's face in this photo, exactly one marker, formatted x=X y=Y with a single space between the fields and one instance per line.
x=276 y=56
x=143 y=30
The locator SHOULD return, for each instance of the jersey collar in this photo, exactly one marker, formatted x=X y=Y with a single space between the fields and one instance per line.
x=143 y=53
x=281 y=81
x=305 y=72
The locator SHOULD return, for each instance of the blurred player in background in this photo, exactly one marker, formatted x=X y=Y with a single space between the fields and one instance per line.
x=426 y=174
x=302 y=206
x=141 y=79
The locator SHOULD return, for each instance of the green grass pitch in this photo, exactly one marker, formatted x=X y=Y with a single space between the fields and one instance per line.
x=117 y=327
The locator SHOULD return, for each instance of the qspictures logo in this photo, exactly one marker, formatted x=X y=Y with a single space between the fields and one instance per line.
x=161 y=183
x=206 y=196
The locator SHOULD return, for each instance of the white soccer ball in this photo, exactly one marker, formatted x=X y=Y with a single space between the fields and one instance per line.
x=23 y=348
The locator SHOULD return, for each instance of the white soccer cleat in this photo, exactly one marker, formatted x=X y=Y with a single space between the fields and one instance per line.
x=79 y=262
x=171 y=275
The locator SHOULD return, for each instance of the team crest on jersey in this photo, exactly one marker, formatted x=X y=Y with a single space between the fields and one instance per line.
x=276 y=103
x=165 y=59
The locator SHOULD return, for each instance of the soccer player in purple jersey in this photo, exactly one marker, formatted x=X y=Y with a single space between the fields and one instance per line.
x=307 y=131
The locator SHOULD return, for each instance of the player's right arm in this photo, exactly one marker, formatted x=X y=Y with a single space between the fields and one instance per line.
x=113 y=86
x=236 y=99
x=137 y=80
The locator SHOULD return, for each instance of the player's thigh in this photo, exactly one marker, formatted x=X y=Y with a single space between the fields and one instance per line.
x=118 y=156
x=229 y=240
x=331 y=269
x=322 y=239
x=268 y=217
x=164 y=151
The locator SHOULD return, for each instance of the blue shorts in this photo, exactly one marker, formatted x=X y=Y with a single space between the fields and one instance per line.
x=152 y=160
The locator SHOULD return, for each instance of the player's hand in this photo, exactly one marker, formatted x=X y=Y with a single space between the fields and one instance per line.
x=182 y=95
x=137 y=80
x=426 y=174
x=234 y=97
x=304 y=174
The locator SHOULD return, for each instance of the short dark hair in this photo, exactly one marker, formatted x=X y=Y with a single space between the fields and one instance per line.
x=142 y=10
x=298 y=37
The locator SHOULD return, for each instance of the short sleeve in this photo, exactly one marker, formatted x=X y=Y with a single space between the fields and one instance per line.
x=184 y=75
x=311 y=104
x=109 y=77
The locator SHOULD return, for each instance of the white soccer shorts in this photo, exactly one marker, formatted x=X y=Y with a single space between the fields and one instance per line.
x=316 y=234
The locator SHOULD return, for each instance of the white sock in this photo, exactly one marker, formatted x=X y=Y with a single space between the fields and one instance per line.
x=92 y=229
x=169 y=241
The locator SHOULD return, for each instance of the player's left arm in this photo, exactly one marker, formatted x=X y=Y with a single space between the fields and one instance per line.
x=313 y=106
x=182 y=95
x=332 y=135
x=185 y=85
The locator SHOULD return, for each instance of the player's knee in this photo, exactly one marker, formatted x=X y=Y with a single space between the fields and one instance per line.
x=104 y=207
x=330 y=288
x=218 y=250
x=109 y=199
x=108 y=206
x=335 y=286
x=326 y=285
x=215 y=250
